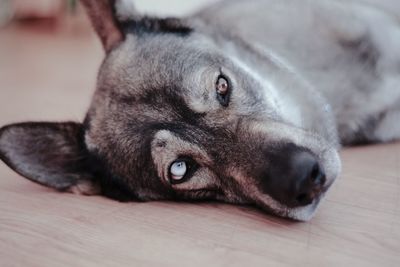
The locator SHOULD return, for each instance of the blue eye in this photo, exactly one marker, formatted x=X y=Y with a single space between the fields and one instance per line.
x=181 y=170
x=178 y=170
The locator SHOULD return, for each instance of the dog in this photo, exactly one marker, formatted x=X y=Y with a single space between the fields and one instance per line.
x=245 y=102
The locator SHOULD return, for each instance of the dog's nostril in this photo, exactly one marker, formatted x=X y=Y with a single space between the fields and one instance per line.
x=309 y=180
x=317 y=176
x=304 y=199
x=310 y=187
x=315 y=172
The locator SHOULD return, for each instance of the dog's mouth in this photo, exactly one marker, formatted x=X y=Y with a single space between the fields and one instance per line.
x=300 y=213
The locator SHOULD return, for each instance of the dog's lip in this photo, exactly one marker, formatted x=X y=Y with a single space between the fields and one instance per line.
x=305 y=213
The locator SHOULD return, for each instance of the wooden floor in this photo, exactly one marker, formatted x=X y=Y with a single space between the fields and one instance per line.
x=50 y=75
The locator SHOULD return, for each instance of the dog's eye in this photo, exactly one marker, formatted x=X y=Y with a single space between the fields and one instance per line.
x=223 y=90
x=178 y=170
x=181 y=170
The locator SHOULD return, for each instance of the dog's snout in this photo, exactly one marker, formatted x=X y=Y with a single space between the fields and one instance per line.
x=294 y=177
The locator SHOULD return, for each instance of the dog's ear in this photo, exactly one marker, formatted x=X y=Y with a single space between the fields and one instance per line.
x=51 y=154
x=113 y=19
x=105 y=20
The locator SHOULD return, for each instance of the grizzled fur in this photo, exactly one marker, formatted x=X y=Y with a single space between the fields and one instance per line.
x=304 y=76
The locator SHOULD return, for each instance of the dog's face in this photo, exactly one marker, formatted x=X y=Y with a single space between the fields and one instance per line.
x=175 y=117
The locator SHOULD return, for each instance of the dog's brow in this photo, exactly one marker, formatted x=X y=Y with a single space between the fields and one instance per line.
x=166 y=141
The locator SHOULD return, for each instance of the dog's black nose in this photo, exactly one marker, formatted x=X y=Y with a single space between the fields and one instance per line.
x=306 y=179
x=294 y=177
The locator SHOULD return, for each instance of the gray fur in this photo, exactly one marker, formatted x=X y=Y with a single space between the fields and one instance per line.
x=305 y=76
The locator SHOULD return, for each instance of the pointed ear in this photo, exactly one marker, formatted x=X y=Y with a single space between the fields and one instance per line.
x=51 y=154
x=102 y=13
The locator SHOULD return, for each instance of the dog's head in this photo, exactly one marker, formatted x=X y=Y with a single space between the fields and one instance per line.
x=176 y=117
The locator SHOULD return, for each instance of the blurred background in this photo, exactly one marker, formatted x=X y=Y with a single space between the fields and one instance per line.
x=25 y=9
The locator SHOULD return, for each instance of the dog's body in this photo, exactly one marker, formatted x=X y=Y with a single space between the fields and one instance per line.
x=244 y=102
